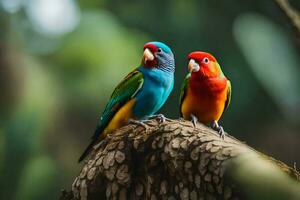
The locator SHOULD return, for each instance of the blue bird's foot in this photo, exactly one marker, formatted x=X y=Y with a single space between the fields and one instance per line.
x=159 y=117
x=138 y=123
x=219 y=129
x=194 y=120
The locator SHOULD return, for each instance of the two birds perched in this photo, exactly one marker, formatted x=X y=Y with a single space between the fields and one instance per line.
x=205 y=92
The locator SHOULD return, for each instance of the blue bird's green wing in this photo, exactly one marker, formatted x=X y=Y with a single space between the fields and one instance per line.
x=183 y=91
x=125 y=91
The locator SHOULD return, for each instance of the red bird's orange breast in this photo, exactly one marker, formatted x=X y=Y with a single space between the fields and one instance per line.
x=205 y=99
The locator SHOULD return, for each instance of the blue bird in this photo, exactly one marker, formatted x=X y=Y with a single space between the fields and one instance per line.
x=140 y=94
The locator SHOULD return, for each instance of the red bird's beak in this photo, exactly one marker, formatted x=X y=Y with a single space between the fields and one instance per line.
x=193 y=66
x=148 y=55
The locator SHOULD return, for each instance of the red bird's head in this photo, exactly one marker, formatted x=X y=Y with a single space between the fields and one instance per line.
x=204 y=65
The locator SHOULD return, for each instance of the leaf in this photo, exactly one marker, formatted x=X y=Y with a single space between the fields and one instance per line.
x=272 y=59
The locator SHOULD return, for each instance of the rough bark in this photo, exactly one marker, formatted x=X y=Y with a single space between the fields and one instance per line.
x=175 y=160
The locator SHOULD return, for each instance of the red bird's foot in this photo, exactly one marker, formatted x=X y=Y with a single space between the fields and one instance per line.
x=219 y=129
x=222 y=132
x=194 y=120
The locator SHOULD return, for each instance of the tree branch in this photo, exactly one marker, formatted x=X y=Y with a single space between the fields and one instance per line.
x=291 y=13
x=174 y=160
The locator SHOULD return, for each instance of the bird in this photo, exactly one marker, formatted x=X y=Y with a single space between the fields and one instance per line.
x=139 y=95
x=205 y=91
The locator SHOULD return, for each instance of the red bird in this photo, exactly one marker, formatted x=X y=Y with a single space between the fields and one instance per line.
x=205 y=92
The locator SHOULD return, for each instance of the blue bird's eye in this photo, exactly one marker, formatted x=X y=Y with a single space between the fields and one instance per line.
x=159 y=50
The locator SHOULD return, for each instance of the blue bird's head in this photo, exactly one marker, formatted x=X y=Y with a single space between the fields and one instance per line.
x=158 y=55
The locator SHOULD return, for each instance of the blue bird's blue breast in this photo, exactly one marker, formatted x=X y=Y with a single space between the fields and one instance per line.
x=154 y=93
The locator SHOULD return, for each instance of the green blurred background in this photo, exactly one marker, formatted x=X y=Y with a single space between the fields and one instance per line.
x=61 y=59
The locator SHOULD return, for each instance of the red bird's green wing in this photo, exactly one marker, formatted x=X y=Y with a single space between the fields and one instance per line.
x=125 y=91
x=183 y=91
x=228 y=99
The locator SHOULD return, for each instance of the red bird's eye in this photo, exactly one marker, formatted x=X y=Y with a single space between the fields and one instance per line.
x=206 y=60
